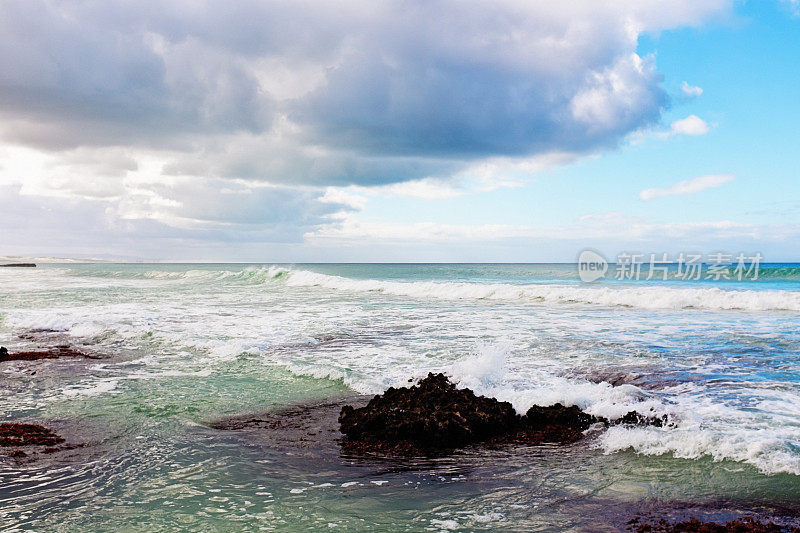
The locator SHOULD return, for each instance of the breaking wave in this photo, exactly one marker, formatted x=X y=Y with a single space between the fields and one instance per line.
x=700 y=426
x=650 y=297
x=640 y=297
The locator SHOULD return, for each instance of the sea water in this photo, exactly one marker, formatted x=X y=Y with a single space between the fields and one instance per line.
x=188 y=344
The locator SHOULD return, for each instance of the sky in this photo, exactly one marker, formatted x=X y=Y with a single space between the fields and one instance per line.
x=435 y=130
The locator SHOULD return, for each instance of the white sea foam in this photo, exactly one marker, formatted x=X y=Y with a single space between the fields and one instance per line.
x=766 y=449
x=94 y=388
x=445 y=524
x=487 y=367
x=38 y=320
x=487 y=373
x=644 y=297
x=700 y=425
x=189 y=323
x=649 y=297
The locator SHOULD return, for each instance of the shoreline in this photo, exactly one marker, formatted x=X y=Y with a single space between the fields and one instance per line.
x=18 y=265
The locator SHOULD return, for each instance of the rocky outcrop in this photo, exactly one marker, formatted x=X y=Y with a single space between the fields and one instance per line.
x=436 y=415
x=47 y=353
x=15 y=435
x=431 y=414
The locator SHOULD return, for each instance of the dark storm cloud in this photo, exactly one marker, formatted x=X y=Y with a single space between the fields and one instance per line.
x=71 y=77
x=332 y=92
x=450 y=111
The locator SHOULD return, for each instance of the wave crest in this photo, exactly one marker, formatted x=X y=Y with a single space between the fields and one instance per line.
x=638 y=297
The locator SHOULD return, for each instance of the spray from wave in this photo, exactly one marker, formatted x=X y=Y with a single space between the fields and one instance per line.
x=699 y=426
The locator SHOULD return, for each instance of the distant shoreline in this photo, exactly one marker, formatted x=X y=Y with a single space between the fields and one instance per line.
x=26 y=265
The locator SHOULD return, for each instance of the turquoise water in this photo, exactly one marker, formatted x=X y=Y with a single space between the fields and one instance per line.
x=189 y=345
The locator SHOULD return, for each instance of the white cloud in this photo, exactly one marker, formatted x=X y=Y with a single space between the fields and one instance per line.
x=593 y=228
x=64 y=194
x=426 y=189
x=340 y=196
x=690 y=186
x=691 y=125
x=793 y=5
x=691 y=91
x=603 y=105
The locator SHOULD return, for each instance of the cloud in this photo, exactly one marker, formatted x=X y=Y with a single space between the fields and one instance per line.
x=793 y=6
x=690 y=186
x=331 y=94
x=691 y=91
x=426 y=189
x=146 y=214
x=609 y=232
x=338 y=196
x=594 y=228
x=239 y=121
x=212 y=204
x=691 y=125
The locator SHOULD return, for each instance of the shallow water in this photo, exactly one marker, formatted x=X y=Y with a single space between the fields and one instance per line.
x=188 y=345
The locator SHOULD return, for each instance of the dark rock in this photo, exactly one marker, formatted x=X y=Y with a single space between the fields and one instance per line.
x=435 y=415
x=636 y=419
x=17 y=454
x=431 y=414
x=553 y=424
x=693 y=525
x=47 y=353
x=538 y=416
x=12 y=434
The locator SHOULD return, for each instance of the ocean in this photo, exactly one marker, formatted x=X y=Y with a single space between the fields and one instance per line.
x=188 y=345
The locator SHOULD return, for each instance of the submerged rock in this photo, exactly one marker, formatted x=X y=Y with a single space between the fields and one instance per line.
x=47 y=353
x=15 y=435
x=693 y=525
x=436 y=415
